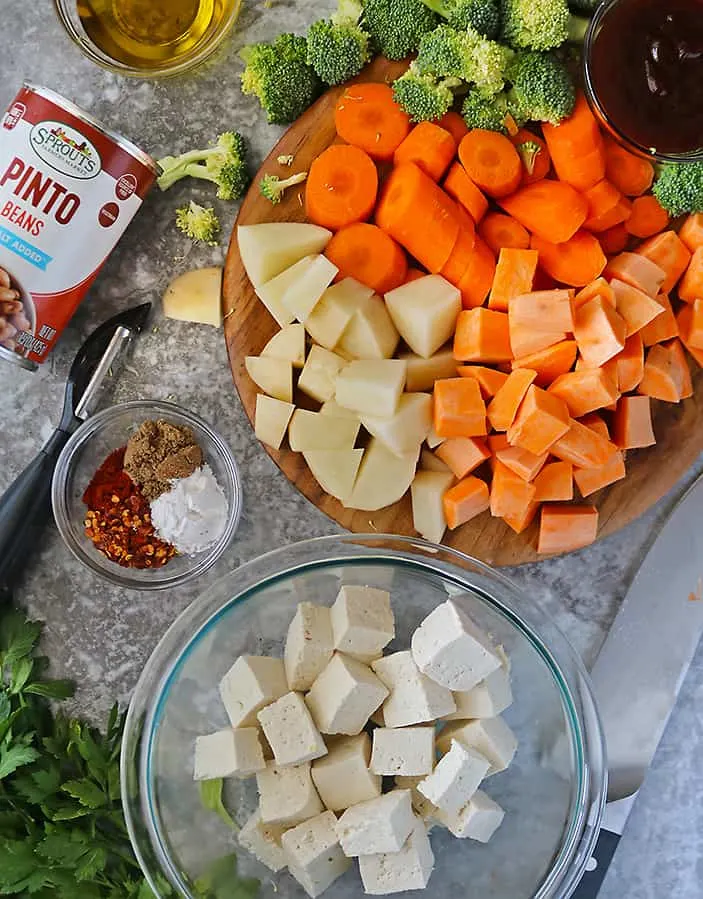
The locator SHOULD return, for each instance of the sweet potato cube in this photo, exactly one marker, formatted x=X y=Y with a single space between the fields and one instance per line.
x=632 y=423
x=525 y=340
x=629 y=364
x=596 y=423
x=666 y=375
x=564 y=528
x=635 y=306
x=600 y=331
x=490 y=380
x=695 y=327
x=462 y=454
x=637 y=271
x=541 y=420
x=496 y=443
x=459 y=409
x=482 y=335
x=465 y=500
x=585 y=390
x=514 y=274
x=583 y=447
x=518 y=523
x=691 y=232
x=670 y=253
x=510 y=494
x=503 y=407
x=691 y=285
x=588 y=480
x=684 y=320
x=555 y=482
x=663 y=327
x=521 y=462
x=549 y=363
x=543 y=310
x=597 y=288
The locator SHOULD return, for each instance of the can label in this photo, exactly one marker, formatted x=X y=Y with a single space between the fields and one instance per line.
x=68 y=190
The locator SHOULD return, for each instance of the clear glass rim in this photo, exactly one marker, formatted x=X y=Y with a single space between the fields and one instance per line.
x=65 y=8
x=64 y=468
x=648 y=152
x=145 y=709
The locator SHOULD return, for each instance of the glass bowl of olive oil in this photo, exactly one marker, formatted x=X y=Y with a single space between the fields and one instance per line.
x=148 y=38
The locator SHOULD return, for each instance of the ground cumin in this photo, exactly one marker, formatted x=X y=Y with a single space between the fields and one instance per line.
x=158 y=452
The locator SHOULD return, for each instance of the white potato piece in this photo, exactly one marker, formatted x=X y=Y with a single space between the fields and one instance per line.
x=269 y=248
x=433 y=438
x=312 y=431
x=195 y=297
x=383 y=478
x=404 y=431
x=422 y=373
x=430 y=462
x=335 y=470
x=427 y=490
x=425 y=312
x=335 y=309
x=273 y=376
x=288 y=344
x=332 y=407
x=371 y=386
x=271 y=420
x=319 y=375
x=272 y=292
x=304 y=292
x=371 y=333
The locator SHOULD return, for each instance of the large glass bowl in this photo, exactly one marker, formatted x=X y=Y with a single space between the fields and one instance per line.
x=553 y=793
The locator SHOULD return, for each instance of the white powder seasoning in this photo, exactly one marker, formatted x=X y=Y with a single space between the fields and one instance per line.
x=192 y=514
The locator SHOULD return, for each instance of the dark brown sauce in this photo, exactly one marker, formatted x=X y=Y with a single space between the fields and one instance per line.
x=647 y=72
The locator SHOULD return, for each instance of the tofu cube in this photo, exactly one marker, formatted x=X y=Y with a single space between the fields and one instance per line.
x=451 y=650
x=414 y=698
x=362 y=622
x=377 y=825
x=486 y=700
x=215 y=755
x=455 y=779
x=408 y=869
x=313 y=853
x=250 y=684
x=421 y=805
x=309 y=645
x=291 y=733
x=344 y=695
x=490 y=736
x=343 y=777
x=287 y=795
x=478 y=819
x=406 y=750
x=263 y=841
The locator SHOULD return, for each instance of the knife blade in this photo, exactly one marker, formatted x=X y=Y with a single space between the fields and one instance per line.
x=642 y=664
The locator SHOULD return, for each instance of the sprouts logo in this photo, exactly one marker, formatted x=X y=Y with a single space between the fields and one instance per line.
x=65 y=149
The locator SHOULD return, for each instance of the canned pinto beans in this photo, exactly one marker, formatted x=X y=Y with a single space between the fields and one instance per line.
x=68 y=189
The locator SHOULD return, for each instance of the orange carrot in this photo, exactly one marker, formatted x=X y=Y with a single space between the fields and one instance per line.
x=597 y=288
x=588 y=480
x=364 y=252
x=618 y=215
x=462 y=454
x=482 y=335
x=478 y=277
x=663 y=327
x=454 y=123
x=578 y=134
x=646 y=217
x=490 y=380
x=629 y=364
x=465 y=500
x=500 y=230
x=549 y=209
x=634 y=306
x=632 y=175
x=459 y=186
x=491 y=161
x=535 y=164
x=522 y=462
x=600 y=331
x=555 y=482
x=430 y=147
x=413 y=274
x=576 y=261
x=367 y=116
x=670 y=253
x=691 y=232
x=543 y=311
x=459 y=409
x=602 y=199
x=509 y=492
x=638 y=271
x=564 y=528
x=684 y=321
x=632 y=423
x=513 y=276
x=582 y=446
x=503 y=407
x=585 y=391
x=460 y=259
x=666 y=375
x=541 y=420
x=419 y=215
x=614 y=240
x=341 y=187
x=549 y=363
x=691 y=285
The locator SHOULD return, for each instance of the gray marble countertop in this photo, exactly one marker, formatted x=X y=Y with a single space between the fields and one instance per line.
x=100 y=635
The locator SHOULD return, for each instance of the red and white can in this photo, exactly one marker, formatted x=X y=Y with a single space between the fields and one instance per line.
x=68 y=189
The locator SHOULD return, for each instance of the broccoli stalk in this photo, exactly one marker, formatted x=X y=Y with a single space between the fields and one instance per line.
x=273 y=188
x=447 y=53
x=679 y=187
x=224 y=165
x=423 y=96
x=397 y=26
x=338 y=48
x=481 y=15
x=540 y=24
x=542 y=89
x=199 y=223
x=278 y=75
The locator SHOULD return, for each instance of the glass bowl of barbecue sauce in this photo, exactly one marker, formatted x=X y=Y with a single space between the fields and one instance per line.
x=643 y=66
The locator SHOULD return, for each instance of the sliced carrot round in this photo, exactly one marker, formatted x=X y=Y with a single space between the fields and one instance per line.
x=368 y=117
x=341 y=187
x=491 y=162
x=364 y=252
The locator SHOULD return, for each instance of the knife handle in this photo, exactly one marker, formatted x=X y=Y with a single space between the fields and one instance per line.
x=598 y=865
x=25 y=507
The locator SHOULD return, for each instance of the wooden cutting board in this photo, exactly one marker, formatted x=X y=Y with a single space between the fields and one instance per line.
x=651 y=472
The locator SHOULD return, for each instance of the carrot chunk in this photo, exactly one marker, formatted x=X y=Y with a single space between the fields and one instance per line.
x=631 y=174
x=576 y=261
x=691 y=232
x=500 y=230
x=582 y=446
x=663 y=327
x=513 y=276
x=465 y=500
x=670 y=253
x=490 y=380
x=491 y=161
x=551 y=210
x=454 y=123
x=364 y=252
x=482 y=335
x=341 y=187
x=509 y=492
x=646 y=217
x=430 y=147
x=600 y=331
x=632 y=423
x=588 y=480
x=614 y=240
x=637 y=271
x=459 y=409
x=367 y=116
x=541 y=420
x=564 y=528
x=459 y=186
x=476 y=281
x=691 y=285
x=555 y=482
x=603 y=198
x=634 y=306
x=462 y=454
x=585 y=391
x=549 y=363
x=460 y=259
x=503 y=407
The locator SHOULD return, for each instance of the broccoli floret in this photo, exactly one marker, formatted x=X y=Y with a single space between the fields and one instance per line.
x=285 y=160
x=224 y=164
x=529 y=150
x=482 y=15
x=338 y=48
x=539 y=24
x=198 y=223
x=424 y=97
x=679 y=187
x=279 y=76
x=488 y=113
x=273 y=188
x=445 y=52
x=542 y=88
x=396 y=26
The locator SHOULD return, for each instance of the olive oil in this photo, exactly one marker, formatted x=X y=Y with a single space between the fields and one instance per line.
x=147 y=33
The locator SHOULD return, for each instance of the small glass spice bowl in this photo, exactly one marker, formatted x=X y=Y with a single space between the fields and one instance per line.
x=87 y=450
